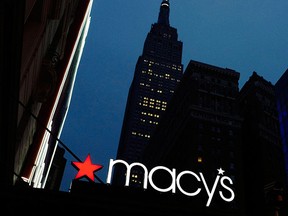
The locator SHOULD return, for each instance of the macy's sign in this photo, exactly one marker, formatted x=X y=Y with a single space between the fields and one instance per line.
x=223 y=181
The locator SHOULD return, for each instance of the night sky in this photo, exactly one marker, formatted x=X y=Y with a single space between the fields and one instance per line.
x=246 y=36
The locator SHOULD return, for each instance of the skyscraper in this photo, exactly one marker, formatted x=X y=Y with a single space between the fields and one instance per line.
x=157 y=73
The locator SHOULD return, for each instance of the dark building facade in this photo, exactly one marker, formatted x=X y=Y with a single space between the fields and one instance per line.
x=263 y=159
x=281 y=88
x=200 y=131
x=157 y=73
x=209 y=123
x=41 y=46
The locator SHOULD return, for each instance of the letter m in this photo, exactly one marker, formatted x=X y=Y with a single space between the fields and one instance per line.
x=128 y=168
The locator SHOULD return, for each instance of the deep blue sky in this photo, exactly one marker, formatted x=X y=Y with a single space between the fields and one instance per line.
x=246 y=36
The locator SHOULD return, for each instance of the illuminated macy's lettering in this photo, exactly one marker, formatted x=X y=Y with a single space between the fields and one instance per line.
x=224 y=181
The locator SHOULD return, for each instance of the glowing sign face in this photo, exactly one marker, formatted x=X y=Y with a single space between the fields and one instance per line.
x=86 y=168
x=221 y=182
x=175 y=183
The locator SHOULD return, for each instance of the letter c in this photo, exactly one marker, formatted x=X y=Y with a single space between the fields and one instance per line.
x=181 y=189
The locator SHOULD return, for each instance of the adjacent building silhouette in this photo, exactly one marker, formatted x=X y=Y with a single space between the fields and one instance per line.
x=158 y=72
x=209 y=123
x=262 y=149
x=281 y=88
x=201 y=132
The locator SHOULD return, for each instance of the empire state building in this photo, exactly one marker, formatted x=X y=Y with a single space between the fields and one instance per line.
x=157 y=73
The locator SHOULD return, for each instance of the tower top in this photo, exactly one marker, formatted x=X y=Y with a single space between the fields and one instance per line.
x=163 y=17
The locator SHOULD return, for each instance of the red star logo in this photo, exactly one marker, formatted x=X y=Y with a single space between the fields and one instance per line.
x=86 y=168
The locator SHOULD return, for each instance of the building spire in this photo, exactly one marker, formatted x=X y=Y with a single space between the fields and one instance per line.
x=163 y=17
